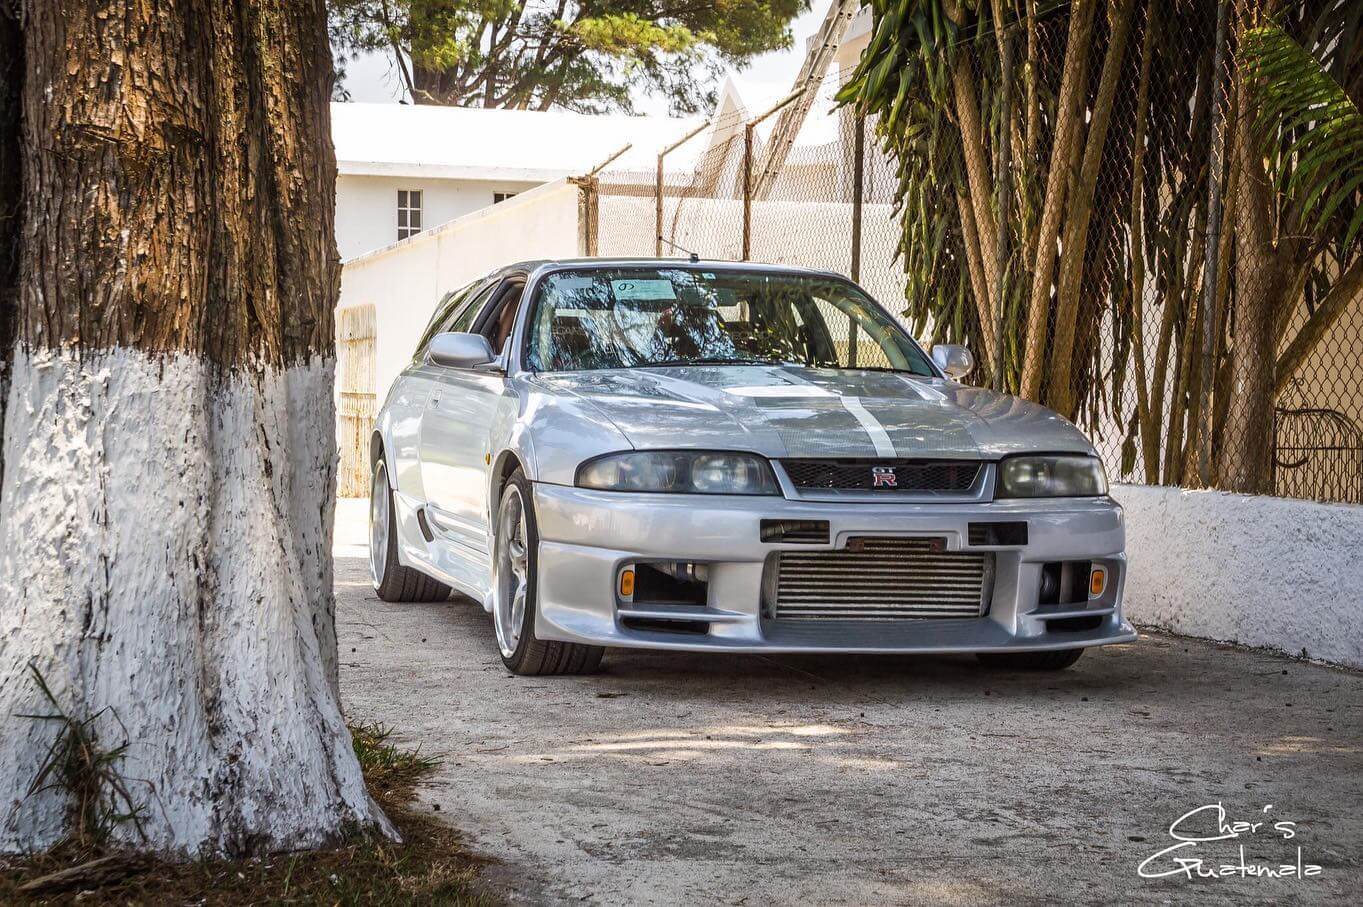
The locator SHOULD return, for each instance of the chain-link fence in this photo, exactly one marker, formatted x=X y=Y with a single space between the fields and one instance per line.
x=1142 y=213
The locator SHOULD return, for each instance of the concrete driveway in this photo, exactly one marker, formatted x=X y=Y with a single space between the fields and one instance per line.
x=759 y=780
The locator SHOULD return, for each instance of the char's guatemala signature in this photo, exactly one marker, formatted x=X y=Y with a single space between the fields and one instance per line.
x=1187 y=857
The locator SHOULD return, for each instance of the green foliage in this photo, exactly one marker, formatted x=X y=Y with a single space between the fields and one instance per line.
x=1142 y=277
x=536 y=54
x=386 y=766
x=1311 y=130
x=79 y=765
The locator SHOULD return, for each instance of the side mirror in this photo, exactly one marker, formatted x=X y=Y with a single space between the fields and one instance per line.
x=954 y=359
x=455 y=350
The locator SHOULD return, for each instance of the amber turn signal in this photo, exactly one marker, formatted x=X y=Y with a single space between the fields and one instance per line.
x=626 y=583
x=1097 y=582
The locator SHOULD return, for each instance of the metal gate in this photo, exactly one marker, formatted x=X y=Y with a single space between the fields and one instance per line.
x=356 y=404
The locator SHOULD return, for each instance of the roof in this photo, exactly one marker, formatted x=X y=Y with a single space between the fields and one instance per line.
x=492 y=144
x=701 y=264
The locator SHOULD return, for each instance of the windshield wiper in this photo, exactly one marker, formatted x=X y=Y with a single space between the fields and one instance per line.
x=708 y=360
x=880 y=368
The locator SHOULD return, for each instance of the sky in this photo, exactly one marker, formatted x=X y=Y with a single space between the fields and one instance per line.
x=372 y=78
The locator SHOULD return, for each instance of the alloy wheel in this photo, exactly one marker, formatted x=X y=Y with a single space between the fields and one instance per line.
x=512 y=566
x=378 y=524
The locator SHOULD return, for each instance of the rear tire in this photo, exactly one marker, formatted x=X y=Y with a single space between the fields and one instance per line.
x=515 y=585
x=1030 y=661
x=392 y=581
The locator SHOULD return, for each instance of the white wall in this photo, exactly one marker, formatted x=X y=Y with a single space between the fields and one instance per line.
x=405 y=280
x=367 y=206
x=1256 y=570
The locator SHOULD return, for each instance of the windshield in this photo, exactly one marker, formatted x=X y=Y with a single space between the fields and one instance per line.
x=643 y=317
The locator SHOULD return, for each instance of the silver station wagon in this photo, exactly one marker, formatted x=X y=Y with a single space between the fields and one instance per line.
x=724 y=457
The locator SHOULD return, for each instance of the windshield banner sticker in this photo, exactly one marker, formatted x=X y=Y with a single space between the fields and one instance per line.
x=643 y=289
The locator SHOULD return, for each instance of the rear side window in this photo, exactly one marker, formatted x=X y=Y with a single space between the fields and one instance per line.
x=463 y=319
x=454 y=312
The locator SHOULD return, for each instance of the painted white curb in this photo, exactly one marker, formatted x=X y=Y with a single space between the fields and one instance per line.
x=1255 y=570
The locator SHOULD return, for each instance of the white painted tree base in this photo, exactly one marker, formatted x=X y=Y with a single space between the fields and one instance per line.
x=164 y=552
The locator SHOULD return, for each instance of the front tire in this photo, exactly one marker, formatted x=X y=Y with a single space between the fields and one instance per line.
x=1030 y=661
x=515 y=562
x=392 y=581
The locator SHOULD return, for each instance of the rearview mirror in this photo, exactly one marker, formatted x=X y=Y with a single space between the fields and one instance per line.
x=456 y=350
x=953 y=359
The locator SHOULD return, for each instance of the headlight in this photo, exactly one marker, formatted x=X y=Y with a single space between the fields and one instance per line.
x=679 y=472
x=1051 y=477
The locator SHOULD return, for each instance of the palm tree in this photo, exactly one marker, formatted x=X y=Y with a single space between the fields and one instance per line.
x=1092 y=290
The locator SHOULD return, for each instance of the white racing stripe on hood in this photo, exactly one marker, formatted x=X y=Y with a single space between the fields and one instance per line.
x=879 y=437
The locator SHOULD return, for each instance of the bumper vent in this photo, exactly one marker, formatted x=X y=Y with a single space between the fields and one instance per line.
x=884 y=475
x=801 y=532
x=882 y=578
x=998 y=534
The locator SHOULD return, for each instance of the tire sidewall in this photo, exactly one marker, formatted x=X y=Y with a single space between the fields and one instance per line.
x=532 y=554
x=390 y=547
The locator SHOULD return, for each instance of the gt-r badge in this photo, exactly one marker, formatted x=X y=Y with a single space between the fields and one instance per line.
x=883 y=477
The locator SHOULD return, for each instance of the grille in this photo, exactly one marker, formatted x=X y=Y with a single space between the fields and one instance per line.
x=881 y=578
x=908 y=475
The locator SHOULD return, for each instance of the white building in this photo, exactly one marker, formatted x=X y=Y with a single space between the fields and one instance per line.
x=402 y=168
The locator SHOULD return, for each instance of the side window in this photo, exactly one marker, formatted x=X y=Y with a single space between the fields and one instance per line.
x=497 y=324
x=452 y=306
x=464 y=319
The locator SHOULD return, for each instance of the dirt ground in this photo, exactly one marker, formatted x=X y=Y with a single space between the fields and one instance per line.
x=675 y=778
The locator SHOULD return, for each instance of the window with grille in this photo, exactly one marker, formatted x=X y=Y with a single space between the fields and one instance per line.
x=409 y=212
x=499 y=197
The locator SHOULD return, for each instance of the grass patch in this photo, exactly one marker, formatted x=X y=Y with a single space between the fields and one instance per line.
x=429 y=867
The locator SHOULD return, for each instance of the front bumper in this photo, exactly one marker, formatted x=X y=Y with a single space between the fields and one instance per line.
x=587 y=536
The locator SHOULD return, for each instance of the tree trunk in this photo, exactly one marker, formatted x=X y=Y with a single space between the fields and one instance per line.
x=1245 y=458
x=1149 y=439
x=167 y=511
x=429 y=87
x=11 y=70
x=1064 y=398
x=980 y=183
x=1073 y=84
x=975 y=268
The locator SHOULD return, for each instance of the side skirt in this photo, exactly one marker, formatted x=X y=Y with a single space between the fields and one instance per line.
x=456 y=565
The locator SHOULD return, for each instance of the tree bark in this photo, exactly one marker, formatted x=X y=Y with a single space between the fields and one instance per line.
x=979 y=178
x=975 y=268
x=1080 y=205
x=1245 y=458
x=1149 y=439
x=1069 y=112
x=168 y=507
x=11 y=169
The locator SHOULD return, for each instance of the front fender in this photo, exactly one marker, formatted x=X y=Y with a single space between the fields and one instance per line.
x=558 y=431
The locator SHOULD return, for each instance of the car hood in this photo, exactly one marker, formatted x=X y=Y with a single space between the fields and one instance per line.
x=789 y=411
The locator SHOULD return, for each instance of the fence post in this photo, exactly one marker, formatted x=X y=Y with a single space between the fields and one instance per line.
x=1209 y=267
x=658 y=187
x=747 y=190
x=858 y=185
x=588 y=215
x=858 y=181
x=658 y=209
x=748 y=131
x=589 y=205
